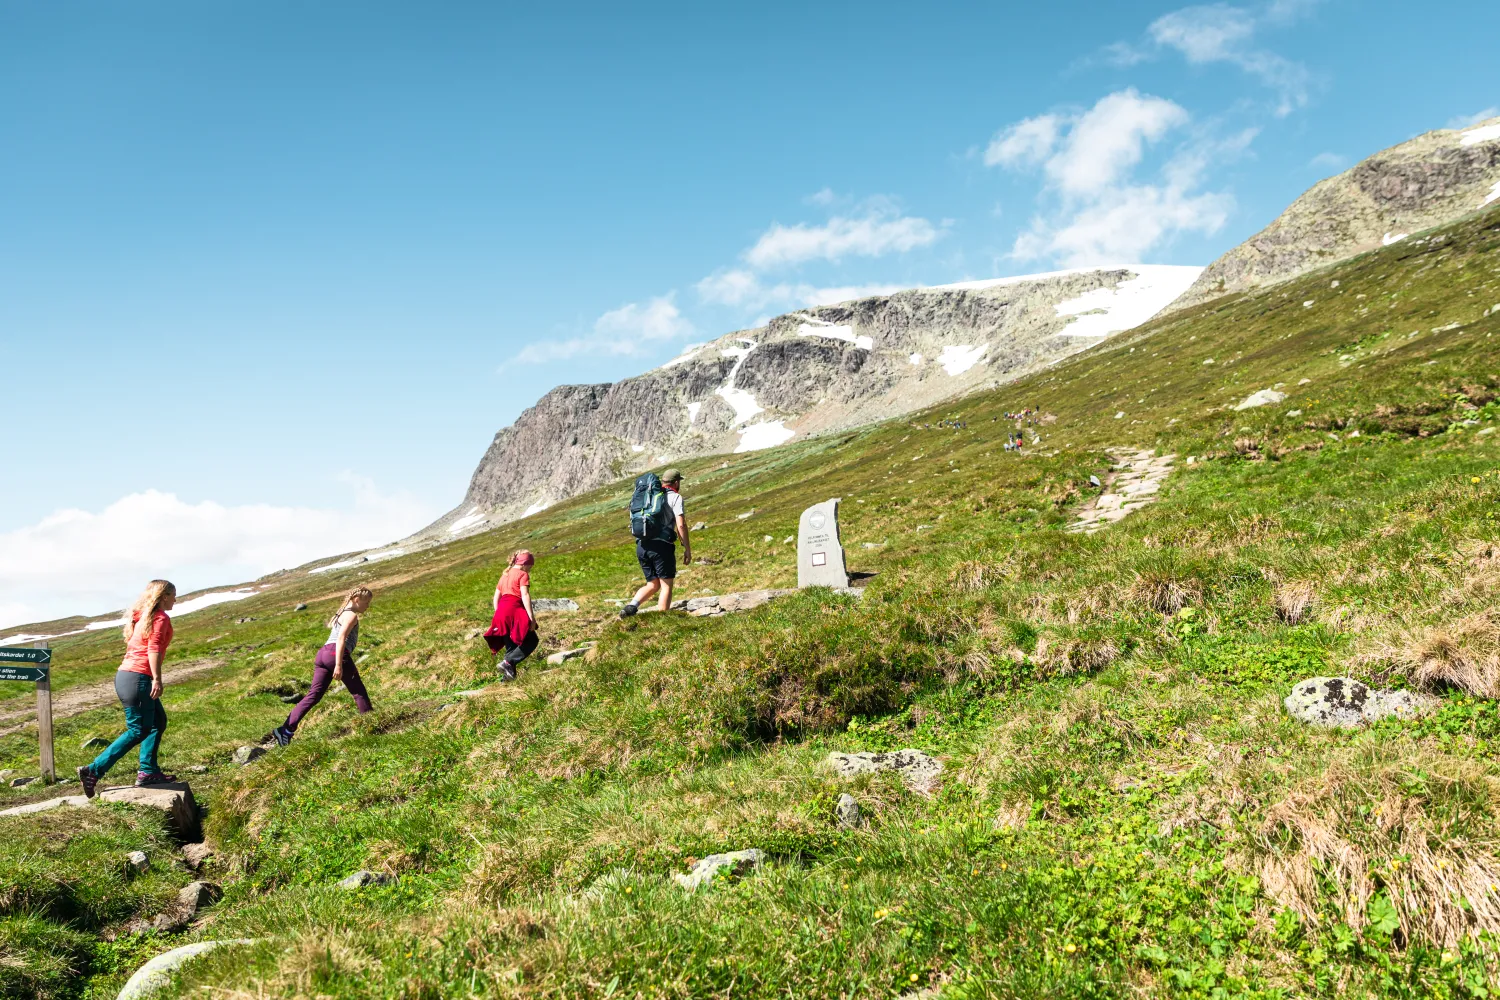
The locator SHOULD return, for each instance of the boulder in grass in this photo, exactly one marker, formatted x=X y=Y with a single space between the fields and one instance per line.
x=173 y=798
x=553 y=604
x=364 y=877
x=138 y=861
x=156 y=975
x=918 y=771
x=733 y=864
x=199 y=894
x=1342 y=702
x=245 y=755
x=194 y=855
x=847 y=813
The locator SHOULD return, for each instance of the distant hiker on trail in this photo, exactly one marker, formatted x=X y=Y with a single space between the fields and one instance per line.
x=657 y=520
x=513 y=628
x=148 y=633
x=334 y=662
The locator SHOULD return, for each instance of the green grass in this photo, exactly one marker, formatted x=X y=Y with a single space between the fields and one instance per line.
x=1126 y=809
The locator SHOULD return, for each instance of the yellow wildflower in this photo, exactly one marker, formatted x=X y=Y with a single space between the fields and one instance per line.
x=1070 y=947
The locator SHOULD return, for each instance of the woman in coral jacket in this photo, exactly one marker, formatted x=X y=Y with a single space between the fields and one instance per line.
x=148 y=633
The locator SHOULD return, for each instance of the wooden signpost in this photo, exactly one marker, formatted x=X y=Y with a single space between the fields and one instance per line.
x=19 y=663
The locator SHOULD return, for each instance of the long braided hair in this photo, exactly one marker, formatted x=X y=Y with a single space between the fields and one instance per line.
x=148 y=604
x=354 y=595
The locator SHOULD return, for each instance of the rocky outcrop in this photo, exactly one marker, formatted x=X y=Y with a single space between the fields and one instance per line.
x=815 y=371
x=1433 y=179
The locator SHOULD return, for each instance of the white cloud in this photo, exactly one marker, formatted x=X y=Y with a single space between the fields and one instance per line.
x=1327 y=161
x=1102 y=214
x=92 y=562
x=628 y=330
x=1108 y=140
x=1464 y=121
x=1123 y=224
x=877 y=233
x=743 y=288
x=1026 y=143
x=1222 y=33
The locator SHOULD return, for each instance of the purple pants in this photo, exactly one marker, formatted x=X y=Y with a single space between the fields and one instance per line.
x=322 y=677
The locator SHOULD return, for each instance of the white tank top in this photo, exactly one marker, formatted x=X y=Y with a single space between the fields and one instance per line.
x=333 y=633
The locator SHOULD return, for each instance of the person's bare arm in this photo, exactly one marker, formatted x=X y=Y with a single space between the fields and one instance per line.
x=495 y=602
x=526 y=600
x=338 y=652
x=153 y=659
x=682 y=533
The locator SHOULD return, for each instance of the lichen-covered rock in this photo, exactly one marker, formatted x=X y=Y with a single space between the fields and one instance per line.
x=553 y=604
x=919 y=771
x=1345 y=702
x=733 y=864
x=847 y=813
x=364 y=877
x=137 y=861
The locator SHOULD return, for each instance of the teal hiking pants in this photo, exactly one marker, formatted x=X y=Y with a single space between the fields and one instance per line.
x=145 y=721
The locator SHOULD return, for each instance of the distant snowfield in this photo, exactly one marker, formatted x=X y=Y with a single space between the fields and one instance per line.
x=1390 y=238
x=742 y=402
x=764 y=435
x=1489 y=133
x=1494 y=193
x=959 y=358
x=1128 y=304
x=470 y=518
x=819 y=328
x=693 y=409
x=536 y=508
x=183 y=608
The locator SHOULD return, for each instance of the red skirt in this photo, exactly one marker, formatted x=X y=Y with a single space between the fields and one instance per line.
x=510 y=622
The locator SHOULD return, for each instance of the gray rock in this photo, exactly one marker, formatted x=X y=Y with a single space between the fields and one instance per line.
x=156 y=975
x=45 y=805
x=734 y=864
x=847 y=813
x=199 y=894
x=194 y=855
x=699 y=526
x=553 y=604
x=137 y=861
x=245 y=755
x=93 y=743
x=565 y=655
x=474 y=693
x=364 y=877
x=196 y=769
x=175 y=799
x=23 y=782
x=917 y=770
x=475 y=633
x=300 y=607
x=6 y=773
x=1345 y=702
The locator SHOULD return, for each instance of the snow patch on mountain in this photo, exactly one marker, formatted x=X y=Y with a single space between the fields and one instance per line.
x=814 y=327
x=959 y=358
x=767 y=434
x=1104 y=311
x=1485 y=133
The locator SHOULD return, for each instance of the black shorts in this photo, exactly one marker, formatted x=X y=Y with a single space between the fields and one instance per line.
x=658 y=559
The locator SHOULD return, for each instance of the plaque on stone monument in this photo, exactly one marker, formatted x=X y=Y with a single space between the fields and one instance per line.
x=820 y=554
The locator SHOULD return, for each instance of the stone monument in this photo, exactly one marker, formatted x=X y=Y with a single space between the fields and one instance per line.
x=820 y=555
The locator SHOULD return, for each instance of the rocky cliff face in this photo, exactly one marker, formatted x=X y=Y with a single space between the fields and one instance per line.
x=818 y=370
x=1433 y=179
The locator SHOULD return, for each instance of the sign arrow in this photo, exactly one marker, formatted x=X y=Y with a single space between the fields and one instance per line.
x=24 y=654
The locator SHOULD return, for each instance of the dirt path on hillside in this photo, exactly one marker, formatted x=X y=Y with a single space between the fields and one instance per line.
x=82 y=697
x=1131 y=483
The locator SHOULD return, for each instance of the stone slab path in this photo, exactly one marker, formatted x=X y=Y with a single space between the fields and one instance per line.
x=1132 y=483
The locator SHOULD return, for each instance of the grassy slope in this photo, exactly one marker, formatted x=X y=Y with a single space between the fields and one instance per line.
x=1126 y=810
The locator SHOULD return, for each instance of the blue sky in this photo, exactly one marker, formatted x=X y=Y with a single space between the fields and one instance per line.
x=272 y=274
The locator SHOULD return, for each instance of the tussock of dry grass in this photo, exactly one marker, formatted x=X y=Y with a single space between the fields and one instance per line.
x=1165 y=592
x=1463 y=654
x=1294 y=601
x=1421 y=830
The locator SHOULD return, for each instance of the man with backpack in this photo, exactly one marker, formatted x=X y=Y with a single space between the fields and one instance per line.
x=657 y=520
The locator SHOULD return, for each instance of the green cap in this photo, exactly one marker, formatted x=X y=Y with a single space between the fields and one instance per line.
x=671 y=476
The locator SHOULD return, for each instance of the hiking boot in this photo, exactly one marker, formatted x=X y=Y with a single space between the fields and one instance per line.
x=144 y=779
x=628 y=610
x=88 y=779
x=507 y=670
x=282 y=735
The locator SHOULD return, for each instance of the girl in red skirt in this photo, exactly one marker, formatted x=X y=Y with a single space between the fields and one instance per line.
x=513 y=628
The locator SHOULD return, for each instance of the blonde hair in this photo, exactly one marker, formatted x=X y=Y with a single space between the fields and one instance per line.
x=354 y=595
x=148 y=604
